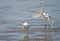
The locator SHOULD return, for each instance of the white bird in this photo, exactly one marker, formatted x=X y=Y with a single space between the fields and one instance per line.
x=48 y=19
x=24 y=24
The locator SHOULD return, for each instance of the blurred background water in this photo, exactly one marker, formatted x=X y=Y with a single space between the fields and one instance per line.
x=12 y=11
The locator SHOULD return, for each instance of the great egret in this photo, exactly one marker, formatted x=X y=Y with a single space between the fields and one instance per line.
x=47 y=18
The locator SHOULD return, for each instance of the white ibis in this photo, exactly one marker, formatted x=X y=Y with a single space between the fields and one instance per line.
x=24 y=24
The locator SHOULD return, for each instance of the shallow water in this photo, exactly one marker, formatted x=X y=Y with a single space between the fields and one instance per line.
x=12 y=11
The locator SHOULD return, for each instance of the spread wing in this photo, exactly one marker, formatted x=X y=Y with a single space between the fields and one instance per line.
x=37 y=14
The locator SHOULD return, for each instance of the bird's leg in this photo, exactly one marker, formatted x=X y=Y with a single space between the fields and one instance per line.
x=26 y=30
x=45 y=26
x=49 y=28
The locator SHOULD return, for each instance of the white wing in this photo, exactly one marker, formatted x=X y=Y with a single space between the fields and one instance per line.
x=37 y=14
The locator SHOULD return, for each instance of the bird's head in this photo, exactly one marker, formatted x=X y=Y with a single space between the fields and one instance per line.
x=22 y=22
